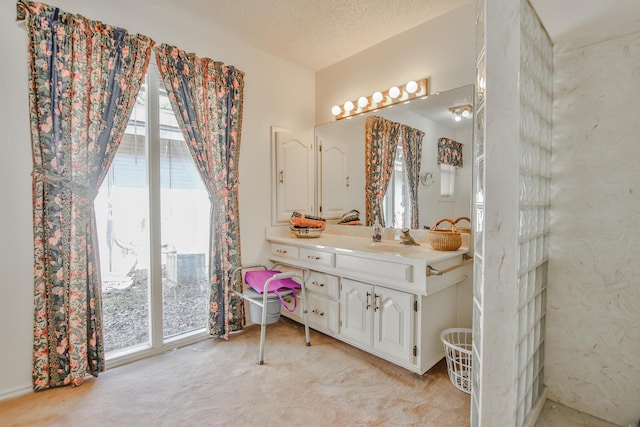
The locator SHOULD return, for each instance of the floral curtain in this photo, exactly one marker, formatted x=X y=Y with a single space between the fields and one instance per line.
x=83 y=80
x=207 y=97
x=412 y=145
x=450 y=152
x=381 y=141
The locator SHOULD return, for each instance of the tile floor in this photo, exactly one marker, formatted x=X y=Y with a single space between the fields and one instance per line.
x=557 y=415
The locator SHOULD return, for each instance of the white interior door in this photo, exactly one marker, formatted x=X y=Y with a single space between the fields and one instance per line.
x=294 y=174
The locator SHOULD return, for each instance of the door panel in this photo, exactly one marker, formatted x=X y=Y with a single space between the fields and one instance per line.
x=335 y=181
x=393 y=328
x=294 y=174
x=356 y=311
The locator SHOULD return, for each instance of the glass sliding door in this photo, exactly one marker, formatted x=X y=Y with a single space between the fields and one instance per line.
x=152 y=215
x=184 y=231
x=122 y=219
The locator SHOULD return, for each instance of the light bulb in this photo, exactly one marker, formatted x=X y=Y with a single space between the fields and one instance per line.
x=377 y=97
x=363 y=101
x=466 y=114
x=394 y=92
x=411 y=86
x=348 y=106
x=335 y=110
x=458 y=118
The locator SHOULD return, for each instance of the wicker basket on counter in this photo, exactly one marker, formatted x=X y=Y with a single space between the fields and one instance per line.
x=462 y=229
x=445 y=239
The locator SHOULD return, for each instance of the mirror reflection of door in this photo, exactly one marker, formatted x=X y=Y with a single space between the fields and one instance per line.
x=334 y=180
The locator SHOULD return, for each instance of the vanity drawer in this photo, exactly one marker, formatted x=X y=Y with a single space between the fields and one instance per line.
x=313 y=256
x=323 y=284
x=284 y=251
x=376 y=270
x=323 y=313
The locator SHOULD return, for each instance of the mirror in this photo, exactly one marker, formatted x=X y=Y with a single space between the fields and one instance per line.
x=340 y=184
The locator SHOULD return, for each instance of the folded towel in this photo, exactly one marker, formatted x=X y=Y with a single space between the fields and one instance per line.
x=304 y=220
x=351 y=217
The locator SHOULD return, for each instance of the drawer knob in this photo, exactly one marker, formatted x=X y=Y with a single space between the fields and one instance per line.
x=317 y=283
x=281 y=251
x=318 y=312
x=313 y=257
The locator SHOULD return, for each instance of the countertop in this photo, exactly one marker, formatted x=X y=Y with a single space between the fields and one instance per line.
x=357 y=241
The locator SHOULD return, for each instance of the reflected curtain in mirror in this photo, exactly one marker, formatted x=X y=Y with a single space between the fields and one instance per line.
x=381 y=141
x=412 y=144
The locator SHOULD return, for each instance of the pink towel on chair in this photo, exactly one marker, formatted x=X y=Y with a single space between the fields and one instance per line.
x=257 y=278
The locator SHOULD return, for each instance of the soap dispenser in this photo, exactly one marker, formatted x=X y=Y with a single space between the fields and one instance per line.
x=377 y=231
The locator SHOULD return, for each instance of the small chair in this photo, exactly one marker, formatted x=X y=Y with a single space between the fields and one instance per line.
x=273 y=281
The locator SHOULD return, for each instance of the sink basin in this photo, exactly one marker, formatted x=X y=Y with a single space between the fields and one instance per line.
x=394 y=247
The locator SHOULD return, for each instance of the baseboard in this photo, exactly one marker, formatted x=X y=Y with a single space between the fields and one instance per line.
x=16 y=393
x=536 y=410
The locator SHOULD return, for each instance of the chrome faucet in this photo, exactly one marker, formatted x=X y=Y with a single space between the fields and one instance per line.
x=406 y=238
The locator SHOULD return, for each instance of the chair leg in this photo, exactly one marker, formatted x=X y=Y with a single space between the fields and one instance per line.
x=305 y=314
x=263 y=328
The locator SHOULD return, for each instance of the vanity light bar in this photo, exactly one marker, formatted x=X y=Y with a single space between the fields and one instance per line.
x=461 y=112
x=394 y=95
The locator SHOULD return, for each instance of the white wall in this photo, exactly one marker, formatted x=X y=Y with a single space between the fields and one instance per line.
x=16 y=250
x=442 y=50
x=593 y=320
x=277 y=93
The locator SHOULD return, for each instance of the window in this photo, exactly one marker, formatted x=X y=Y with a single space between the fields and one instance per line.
x=397 y=199
x=153 y=224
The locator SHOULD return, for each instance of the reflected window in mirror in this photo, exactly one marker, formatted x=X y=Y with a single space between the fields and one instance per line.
x=447 y=180
x=397 y=200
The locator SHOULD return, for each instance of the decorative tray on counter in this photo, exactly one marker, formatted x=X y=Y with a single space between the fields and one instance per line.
x=307 y=232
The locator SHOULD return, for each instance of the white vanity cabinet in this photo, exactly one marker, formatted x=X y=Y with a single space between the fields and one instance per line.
x=378 y=318
x=322 y=289
x=380 y=301
x=322 y=306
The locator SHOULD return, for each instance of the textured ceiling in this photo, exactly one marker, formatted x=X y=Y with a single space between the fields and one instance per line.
x=312 y=33
x=318 y=33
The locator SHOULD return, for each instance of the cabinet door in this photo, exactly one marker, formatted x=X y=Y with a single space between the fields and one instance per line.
x=394 y=323
x=294 y=174
x=356 y=311
x=334 y=182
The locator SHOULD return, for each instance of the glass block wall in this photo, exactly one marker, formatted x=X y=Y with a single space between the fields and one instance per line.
x=536 y=86
x=533 y=172
x=478 y=211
